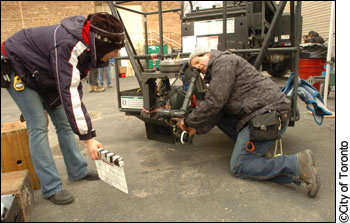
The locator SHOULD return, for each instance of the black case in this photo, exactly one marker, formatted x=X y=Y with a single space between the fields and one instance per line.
x=265 y=127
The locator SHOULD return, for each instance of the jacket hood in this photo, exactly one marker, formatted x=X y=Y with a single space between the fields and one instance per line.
x=75 y=25
x=79 y=27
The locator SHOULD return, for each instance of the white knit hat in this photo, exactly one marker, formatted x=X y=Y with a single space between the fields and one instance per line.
x=197 y=52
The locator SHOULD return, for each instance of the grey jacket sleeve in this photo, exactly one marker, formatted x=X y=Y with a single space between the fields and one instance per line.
x=208 y=114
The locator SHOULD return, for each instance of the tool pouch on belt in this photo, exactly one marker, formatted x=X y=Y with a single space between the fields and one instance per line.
x=5 y=72
x=43 y=82
x=265 y=127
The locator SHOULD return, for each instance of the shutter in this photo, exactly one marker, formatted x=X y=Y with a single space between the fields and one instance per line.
x=316 y=17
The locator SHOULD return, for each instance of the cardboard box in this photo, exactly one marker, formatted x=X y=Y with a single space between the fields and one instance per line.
x=18 y=182
x=15 y=154
x=123 y=69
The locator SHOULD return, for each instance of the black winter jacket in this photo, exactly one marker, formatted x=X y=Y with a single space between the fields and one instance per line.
x=235 y=88
x=52 y=60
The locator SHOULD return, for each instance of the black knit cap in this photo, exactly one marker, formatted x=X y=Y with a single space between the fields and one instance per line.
x=313 y=33
x=109 y=33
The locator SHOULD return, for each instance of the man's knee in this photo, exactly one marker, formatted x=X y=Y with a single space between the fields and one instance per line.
x=233 y=168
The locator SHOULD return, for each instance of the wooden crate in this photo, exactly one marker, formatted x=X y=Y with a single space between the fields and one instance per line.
x=18 y=182
x=15 y=153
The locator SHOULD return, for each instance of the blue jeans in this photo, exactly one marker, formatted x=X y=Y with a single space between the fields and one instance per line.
x=93 y=76
x=252 y=165
x=30 y=104
x=101 y=72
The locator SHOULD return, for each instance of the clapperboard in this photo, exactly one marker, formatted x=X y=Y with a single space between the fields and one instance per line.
x=110 y=169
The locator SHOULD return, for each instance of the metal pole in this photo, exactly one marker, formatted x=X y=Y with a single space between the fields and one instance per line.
x=224 y=18
x=165 y=11
x=263 y=16
x=127 y=9
x=160 y=27
x=146 y=37
x=239 y=51
x=292 y=28
x=291 y=25
x=272 y=50
x=117 y=72
x=329 y=55
x=189 y=92
x=182 y=9
x=213 y=16
x=271 y=6
x=137 y=67
x=270 y=33
x=182 y=15
x=297 y=22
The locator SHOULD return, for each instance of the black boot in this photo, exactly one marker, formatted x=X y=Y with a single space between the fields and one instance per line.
x=62 y=197
x=308 y=173
x=92 y=175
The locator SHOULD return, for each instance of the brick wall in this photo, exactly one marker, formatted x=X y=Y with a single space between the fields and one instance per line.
x=16 y=15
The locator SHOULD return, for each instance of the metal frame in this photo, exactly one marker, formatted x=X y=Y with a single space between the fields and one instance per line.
x=132 y=55
x=145 y=78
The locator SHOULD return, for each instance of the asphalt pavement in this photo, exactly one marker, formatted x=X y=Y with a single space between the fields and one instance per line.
x=175 y=182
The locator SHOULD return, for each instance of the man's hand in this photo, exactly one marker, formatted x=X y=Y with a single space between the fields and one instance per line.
x=181 y=125
x=92 y=146
x=191 y=131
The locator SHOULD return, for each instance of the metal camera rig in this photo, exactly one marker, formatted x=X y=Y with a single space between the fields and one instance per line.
x=262 y=34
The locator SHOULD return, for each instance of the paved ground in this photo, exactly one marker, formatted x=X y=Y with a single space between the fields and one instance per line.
x=186 y=183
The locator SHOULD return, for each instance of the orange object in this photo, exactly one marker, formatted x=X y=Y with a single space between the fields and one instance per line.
x=154 y=57
x=250 y=146
x=311 y=67
x=193 y=101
